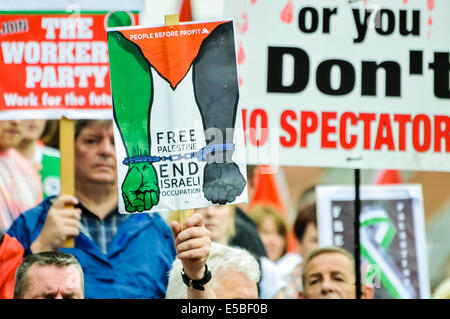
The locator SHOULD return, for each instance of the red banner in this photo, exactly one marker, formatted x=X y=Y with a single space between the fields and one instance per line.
x=52 y=61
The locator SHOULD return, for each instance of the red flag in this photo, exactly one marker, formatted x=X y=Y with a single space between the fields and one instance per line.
x=11 y=252
x=266 y=191
x=185 y=11
x=389 y=176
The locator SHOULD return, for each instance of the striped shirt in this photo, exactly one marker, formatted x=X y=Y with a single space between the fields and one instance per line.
x=101 y=231
x=20 y=187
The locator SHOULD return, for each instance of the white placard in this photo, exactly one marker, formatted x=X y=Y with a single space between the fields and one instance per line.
x=392 y=235
x=338 y=83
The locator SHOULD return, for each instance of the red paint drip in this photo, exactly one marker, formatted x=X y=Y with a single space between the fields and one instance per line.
x=430 y=21
x=253 y=1
x=240 y=81
x=405 y=1
x=287 y=15
x=430 y=4
x=241 y=54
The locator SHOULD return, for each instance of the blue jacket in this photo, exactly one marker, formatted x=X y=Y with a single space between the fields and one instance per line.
x=138 y=260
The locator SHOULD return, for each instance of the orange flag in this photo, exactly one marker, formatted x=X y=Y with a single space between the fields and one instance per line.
x=266 y=190
x=185 y=11
x=388 y=176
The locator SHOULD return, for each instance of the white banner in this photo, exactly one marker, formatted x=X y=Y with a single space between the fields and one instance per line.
x=338 y=83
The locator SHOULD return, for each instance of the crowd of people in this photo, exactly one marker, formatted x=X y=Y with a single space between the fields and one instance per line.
x=222 y=251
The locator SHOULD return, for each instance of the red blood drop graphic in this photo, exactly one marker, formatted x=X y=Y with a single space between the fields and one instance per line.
x=405 y=1
x=288 y=12
x=253 y=1
x=430 y=4
x=241 y=54
x=242 y=23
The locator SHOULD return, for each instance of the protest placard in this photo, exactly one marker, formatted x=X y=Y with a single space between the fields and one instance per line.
x=176 y=115
x=338 y=83
x=55 y=63
x=392 y=235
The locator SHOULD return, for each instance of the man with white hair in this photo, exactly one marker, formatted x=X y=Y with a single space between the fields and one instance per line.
x=235 y=273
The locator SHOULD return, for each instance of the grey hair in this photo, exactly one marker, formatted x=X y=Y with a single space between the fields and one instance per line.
x=48 y=258
x=221 y=259
x=80 y=124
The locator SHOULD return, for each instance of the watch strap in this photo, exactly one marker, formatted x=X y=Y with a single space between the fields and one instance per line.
x=199 y=283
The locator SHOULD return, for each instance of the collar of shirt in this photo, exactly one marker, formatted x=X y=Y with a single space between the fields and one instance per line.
x=101 y=231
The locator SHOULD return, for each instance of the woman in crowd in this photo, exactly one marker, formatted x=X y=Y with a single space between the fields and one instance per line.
x=44 y=158
x=273 y=230
x=16 y=173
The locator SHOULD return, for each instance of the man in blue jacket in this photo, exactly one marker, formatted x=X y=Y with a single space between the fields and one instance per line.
x=122 y=256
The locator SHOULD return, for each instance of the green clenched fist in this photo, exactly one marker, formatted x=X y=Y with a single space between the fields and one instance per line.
x=140 y=188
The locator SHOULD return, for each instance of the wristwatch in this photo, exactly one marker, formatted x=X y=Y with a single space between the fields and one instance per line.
x=199 y=283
